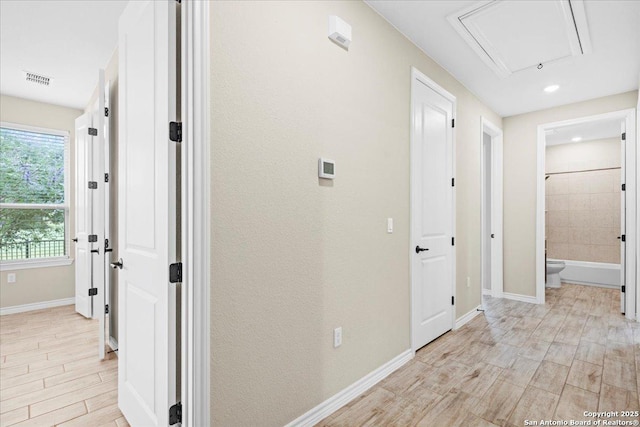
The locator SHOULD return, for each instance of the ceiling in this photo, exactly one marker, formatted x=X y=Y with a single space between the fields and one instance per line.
x=588 y=131
x=67 y=41
x=514 y=34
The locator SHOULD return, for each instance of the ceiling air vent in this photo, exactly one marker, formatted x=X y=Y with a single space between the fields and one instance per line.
x=37 y=78
x=514 y=36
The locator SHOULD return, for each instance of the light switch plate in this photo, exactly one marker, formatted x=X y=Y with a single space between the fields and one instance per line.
x=389 y=225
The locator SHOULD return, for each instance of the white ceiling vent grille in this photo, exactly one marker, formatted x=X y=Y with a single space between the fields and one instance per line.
x=512 y=36
x=37 y=78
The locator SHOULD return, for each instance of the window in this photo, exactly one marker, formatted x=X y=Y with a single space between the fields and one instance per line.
x=34 y=196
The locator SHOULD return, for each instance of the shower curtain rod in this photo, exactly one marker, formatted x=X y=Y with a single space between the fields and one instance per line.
x=586 y=170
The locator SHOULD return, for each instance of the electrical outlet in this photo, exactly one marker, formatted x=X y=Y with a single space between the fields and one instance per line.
x=468 y=282
x=337 y=337
x=11 y=278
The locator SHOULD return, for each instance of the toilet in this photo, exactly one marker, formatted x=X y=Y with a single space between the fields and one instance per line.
x=553 y=273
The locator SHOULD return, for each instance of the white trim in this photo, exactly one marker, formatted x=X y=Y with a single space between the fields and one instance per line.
x=345 y=396
x=25 y=264
x=521 y=298
x=486 y=292
x=196 y=256
x=631 y=193
x=497 y=282
x=36 y=306
x=466 y=318
x=418 y=75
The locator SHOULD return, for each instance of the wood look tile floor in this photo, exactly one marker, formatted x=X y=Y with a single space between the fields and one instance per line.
x=50 y=374
x=515 y=362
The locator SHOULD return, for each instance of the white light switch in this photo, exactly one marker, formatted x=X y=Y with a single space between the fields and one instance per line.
x=389 y=225
x=337 y=337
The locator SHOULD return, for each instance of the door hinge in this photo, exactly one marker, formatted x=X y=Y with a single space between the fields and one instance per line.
x=624 y=288
x=453 y=123
x=106 y=177
x=453 y=241
x=453 y=300
x=175 y=131
x=624 y=187
x=93 y=131
x=93 y=185
x=624 y=136
x=106 y=309
x=175 y=414
x=93 y=292
x=175 y=273
x=453 y=182
x=623 y=237
x=93 y=238
x=106 y=111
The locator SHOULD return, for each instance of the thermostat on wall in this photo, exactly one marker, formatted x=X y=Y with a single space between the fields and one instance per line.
x=326 y=168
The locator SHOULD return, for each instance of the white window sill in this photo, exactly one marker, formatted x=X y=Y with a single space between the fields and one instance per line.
x=24 y=264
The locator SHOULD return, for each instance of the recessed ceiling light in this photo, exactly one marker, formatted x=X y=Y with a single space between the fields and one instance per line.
x=552 y=88
x=576 y=139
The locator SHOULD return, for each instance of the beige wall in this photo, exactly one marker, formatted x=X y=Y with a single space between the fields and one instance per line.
x=583 y=201
x=41 y=284
x=520 y=147
x=293 y=257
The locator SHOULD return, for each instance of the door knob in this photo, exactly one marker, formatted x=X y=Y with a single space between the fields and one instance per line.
x=118 y=264
x=75 y=239
x=419 y=249
x=493 y=235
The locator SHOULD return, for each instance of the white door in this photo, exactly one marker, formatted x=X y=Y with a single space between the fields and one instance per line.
x=82 y=249
x=98 y=215
x=108 y=241
x=432 y=210
x=496 y=216
x=623 y=216
x=146 y=212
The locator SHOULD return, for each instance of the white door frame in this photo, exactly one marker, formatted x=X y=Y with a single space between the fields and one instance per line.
x=496 y=285
x=629 y=116
x=417 y=76
x=196 y=185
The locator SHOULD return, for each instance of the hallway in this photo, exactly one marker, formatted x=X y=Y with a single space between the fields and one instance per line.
x=518 y=362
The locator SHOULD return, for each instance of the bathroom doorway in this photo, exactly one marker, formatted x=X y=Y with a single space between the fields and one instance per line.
x=491 y=200
x=586 y=205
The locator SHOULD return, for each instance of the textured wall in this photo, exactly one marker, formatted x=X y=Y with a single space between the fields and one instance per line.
x=293 y=257
x=583 y=208
x=41 y=284
x=520 y=142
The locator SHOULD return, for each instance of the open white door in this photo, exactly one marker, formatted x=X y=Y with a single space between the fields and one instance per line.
x=432 y=210
x=496 y=214
x=623 y=222
x=98 y=215
x=84 y=143
x=107 y=213
x=146 y=212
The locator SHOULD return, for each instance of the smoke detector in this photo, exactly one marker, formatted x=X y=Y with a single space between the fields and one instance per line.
x=37 y=78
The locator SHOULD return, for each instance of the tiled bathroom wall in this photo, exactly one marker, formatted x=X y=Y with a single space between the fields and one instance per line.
x=582 y=206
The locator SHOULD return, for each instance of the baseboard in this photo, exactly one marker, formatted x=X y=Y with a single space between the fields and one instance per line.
x=36 y=306
x=342 y=398
x=518 y=297
x=466 y=318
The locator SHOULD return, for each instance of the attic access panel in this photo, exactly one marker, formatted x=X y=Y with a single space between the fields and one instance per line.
x=512 y=36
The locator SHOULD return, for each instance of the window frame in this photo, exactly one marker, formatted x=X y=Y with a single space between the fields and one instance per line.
x=26 y=263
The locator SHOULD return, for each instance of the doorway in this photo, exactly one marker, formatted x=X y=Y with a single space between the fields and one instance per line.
x=491 y=171
x=432 y=210
x=622 y=124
